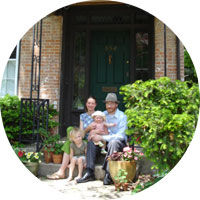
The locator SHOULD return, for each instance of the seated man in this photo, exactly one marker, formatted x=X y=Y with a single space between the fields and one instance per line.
x=116 y=140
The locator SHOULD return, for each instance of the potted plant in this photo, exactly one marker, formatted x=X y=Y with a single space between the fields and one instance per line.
x=121 y=180
x=49 y=142
x=30 y=159
x=58 y=153
x=125 y=160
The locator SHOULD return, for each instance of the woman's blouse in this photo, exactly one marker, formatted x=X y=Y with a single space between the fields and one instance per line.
x=87 y=120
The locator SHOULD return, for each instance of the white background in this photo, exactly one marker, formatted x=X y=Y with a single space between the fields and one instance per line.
x=17 y=16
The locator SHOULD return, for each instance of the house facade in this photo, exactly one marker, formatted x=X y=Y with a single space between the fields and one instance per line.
x=94 y=48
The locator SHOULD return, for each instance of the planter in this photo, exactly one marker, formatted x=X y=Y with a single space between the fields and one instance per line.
x=48 y=156
x=57 y=158
x=128 y=166
x=32 y=167
x=125 y=186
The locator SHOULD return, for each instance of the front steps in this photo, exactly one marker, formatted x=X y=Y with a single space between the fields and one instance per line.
x=143 y=166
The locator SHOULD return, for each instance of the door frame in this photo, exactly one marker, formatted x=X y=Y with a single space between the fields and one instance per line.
x=67 y=115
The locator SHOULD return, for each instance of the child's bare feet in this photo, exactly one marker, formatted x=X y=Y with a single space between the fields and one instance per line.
x=69 y=179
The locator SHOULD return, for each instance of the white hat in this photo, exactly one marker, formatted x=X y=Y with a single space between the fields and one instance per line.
x=99 y=113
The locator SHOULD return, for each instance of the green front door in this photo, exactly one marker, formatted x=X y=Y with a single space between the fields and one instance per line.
x=110 y=53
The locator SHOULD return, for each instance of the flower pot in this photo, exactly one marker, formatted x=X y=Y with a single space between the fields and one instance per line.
x=57 y=158
x=32 y=167
x=117 y=186
x=48 y=156
x=128 y=166
x=125 y=186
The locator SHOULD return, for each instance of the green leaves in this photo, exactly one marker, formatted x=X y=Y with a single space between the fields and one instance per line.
x=163 y=114
x=10 y=112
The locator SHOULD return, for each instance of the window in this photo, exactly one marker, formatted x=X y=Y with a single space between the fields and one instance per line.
x=9 y=80
x=79 y=70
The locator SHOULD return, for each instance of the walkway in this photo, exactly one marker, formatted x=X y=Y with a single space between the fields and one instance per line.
x=90 y=190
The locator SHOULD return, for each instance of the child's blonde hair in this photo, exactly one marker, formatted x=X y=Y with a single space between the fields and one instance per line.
x=73 y=132
x=99 y=113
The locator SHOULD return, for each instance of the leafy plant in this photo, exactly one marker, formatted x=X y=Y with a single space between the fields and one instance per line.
x=189 y=69
x=121 y=176
x=49 y=139
x=10 y=112
x=58 y=148
x=162 y=116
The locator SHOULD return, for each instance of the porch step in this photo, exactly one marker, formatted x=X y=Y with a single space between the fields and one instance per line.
x=50 y=168
x=143 y=167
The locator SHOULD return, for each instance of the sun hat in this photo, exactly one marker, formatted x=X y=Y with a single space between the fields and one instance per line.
x=98 y=113
x=111 y=97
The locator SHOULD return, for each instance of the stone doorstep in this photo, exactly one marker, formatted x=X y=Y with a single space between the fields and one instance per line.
x=143 y=167
x=50 y=168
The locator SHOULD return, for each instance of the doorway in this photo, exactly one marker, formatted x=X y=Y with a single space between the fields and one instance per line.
x=110 y=64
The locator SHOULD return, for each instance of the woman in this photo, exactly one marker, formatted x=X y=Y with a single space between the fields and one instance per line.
x=85 y=121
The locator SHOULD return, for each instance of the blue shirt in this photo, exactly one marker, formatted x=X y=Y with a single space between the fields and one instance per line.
x=87 y=120
x=118 y=131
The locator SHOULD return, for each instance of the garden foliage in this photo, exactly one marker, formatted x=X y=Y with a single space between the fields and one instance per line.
x=162 y=116
x=10 y=112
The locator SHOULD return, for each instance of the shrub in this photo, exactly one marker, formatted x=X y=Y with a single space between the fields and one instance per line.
x=10 y=112
x=162 y=115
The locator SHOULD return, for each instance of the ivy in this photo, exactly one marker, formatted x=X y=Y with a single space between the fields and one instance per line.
x=162 y=116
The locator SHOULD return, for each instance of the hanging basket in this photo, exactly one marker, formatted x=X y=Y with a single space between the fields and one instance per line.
x=128 y=166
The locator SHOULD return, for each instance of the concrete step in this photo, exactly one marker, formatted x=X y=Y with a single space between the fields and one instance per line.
x=143 y=166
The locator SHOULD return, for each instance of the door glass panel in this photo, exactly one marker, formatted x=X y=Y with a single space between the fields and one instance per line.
x=142 y=55
x=79 y=69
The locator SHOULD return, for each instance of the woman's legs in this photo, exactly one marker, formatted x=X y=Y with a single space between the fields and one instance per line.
x=71 y=169
x=65 y=162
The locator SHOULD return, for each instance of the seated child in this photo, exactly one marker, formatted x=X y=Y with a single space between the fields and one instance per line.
x=101 y=128
x=78 y=149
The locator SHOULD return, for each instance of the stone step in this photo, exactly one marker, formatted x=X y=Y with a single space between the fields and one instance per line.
x=143 y=167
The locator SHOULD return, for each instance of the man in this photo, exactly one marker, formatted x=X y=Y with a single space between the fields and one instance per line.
x=116 y=140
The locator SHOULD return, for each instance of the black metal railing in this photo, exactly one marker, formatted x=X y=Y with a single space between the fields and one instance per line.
x=33 y=116
x=34 y=111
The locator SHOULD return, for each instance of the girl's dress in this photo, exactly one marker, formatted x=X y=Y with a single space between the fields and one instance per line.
x=87 y=120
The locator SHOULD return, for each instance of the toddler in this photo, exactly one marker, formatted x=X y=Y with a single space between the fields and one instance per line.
x=101 y=128
x=78 y=149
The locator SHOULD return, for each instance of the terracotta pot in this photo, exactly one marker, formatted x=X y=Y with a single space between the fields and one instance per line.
x=125 y=186
x=128 y=166
x=57 y=158
x=117 y=186
x=32 y=167
x=48 y=156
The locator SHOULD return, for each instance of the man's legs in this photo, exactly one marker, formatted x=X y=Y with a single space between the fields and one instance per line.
x=92 y=152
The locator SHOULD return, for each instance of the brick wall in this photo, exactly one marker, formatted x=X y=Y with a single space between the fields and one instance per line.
x=50 y=62
x=51 y=58
x=171 y=59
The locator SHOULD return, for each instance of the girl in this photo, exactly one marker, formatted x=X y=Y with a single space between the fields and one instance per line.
x=78 y=149
x=100 y=128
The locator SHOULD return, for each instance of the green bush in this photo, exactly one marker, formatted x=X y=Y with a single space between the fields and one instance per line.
x=162 y=116
x=10 y=112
